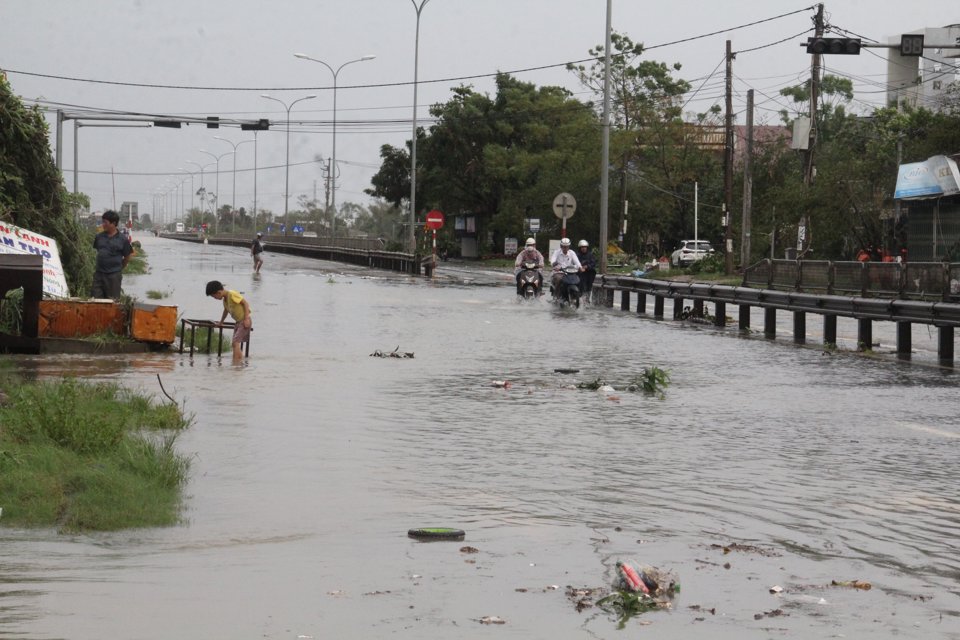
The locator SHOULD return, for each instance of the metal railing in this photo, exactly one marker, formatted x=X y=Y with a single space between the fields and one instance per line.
x=903 y=280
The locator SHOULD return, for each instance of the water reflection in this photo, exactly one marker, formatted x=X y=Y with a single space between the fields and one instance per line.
x=311 y=462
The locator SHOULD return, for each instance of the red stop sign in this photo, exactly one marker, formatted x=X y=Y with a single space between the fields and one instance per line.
x=434 y=219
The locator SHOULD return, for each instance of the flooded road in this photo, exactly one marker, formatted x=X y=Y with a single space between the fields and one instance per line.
x=311 y=462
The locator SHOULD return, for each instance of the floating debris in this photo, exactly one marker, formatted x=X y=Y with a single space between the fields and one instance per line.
x=396 y=353
x=853 y=584
x=502 y=384
x=492 y=620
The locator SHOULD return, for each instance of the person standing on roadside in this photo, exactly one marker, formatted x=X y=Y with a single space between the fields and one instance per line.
x=256 y=250
x=113 y=253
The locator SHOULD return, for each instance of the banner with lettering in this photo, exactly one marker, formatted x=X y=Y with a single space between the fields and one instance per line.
x=14 y=239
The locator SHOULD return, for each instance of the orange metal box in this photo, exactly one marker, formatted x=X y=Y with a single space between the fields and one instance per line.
x=153 y=323
x=71 y=318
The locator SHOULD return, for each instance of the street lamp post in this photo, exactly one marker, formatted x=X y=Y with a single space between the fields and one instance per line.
x=333 y=170
x=233 y=203
x=286 y=191
x=202 y=191
x=216 y=214
x=413 y=145
x=182 y=170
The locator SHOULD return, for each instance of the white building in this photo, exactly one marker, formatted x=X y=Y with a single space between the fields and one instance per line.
x=921 y=81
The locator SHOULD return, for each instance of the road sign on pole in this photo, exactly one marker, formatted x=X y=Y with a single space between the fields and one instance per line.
x=564 y=205
x=434 y=219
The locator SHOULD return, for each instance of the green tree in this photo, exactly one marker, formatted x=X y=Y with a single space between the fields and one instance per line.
x=501 y=158
x=658 y=153
x=32 y=194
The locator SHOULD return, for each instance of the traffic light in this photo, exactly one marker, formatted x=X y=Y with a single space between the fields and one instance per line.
x=257 y=125
x=841 y=46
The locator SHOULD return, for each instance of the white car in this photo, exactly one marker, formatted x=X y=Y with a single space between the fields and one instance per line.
x=689 y=252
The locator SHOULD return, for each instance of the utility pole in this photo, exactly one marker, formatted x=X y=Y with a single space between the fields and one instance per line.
x=804 y=233
x=605 y=143
x=728 y=168
x=747 y=187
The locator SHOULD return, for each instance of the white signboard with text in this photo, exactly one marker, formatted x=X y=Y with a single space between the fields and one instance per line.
x=14 y=239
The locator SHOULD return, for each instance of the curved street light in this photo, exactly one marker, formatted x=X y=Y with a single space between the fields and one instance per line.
x=202 y=191
x=233 y=200
x=286 y=191
x=216 y=195
x=333 y=170
x=413 y=142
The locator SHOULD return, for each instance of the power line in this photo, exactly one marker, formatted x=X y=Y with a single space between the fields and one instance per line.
x=396 y=84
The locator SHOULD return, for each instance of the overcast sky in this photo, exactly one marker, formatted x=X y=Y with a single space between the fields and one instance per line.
x=82 y=54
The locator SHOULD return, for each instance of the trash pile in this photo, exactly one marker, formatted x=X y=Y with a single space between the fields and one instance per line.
x=639 y=588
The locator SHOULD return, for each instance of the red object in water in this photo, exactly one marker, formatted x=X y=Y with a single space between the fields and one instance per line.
x=633 y=578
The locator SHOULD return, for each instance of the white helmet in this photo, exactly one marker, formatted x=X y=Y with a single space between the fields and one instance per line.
x=583 y=243
x=565 y=242
x=531 y=242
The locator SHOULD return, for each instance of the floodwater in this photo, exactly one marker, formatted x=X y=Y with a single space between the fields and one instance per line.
x=311 y=462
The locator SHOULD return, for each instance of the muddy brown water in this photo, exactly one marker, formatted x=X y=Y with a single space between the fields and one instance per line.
x=311 y=462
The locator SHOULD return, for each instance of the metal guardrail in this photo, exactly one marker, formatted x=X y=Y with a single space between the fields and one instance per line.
x=315 y=248
x=907 y=280
x=896 y=310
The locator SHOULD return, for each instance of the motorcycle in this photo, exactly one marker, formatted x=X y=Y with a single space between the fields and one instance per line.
x=529 y=281
x=568 y=291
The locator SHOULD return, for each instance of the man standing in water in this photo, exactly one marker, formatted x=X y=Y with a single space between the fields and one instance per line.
x=113 y=253
x=256 y=250
x=239 y=309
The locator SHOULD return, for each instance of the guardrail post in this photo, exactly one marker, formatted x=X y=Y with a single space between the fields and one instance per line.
x=945 y=345
x=720 y=314
x=744 y=317
x=641 y=303
x=864 y=334
x=770 y=322
x=677 y=308
x=799 y=327
x=830 y=329
x=904 y=339
x=624 y=300
x=658 y=306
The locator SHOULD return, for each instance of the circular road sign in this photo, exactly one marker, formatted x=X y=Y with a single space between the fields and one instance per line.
x=434 y=219
x=564 y=205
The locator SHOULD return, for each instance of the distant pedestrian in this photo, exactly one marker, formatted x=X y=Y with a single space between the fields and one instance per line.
x=256 y=250
x=239 y=309
x=113 y=253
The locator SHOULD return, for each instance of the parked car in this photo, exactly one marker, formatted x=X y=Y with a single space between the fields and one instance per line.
x=689 y=252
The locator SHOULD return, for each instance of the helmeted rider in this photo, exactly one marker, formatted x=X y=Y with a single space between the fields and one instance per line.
x=529 y=254
x=589 y=263
x=561 y=259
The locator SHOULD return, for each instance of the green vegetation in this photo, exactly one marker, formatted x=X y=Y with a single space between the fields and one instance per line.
x=626 y=604
x=653 y=380
x=501 y=158
x=154 y=294
x=89 y=456
x=11 y=312
x=32 y=194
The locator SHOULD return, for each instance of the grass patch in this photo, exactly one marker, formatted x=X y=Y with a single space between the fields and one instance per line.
x=89 y=456
x=153 y=294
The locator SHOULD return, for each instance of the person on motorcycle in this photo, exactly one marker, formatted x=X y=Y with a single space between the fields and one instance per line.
x=589 y=264
x=561 y=259
x=529 y=254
